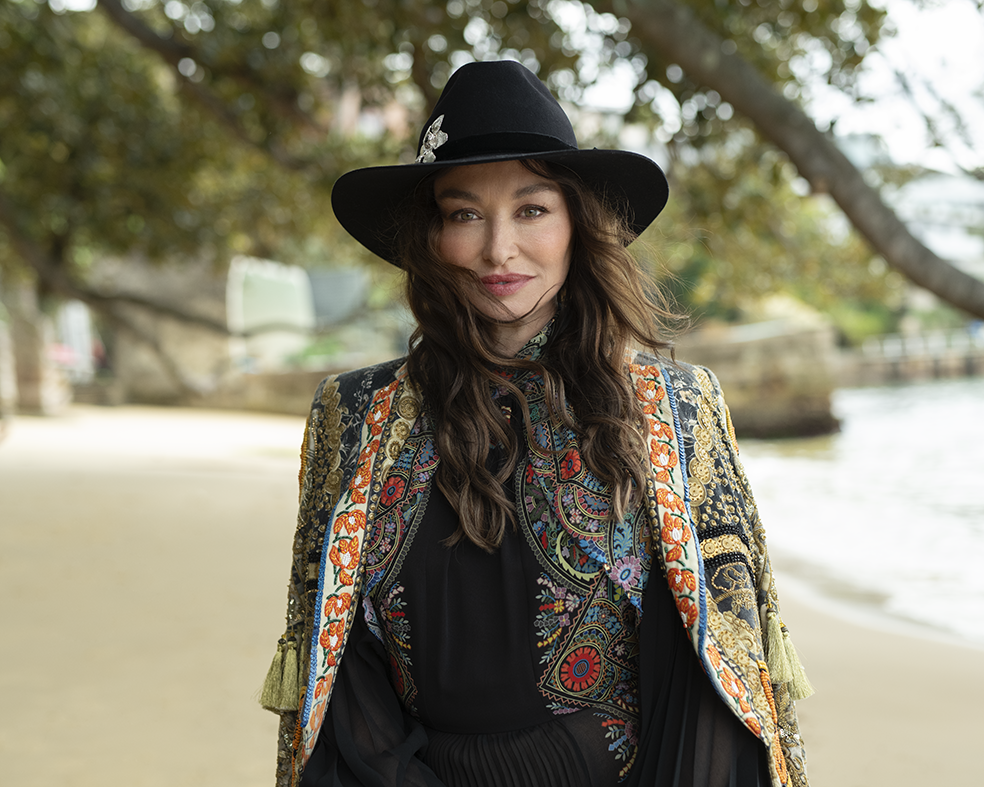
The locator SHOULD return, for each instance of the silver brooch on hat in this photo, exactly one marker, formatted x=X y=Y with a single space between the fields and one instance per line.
x=433 y=139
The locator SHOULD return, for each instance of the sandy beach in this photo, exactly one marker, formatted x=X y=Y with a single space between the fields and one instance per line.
x=143 y=562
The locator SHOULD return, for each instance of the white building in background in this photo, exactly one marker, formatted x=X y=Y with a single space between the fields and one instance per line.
x=74 y=350
x=274 y=301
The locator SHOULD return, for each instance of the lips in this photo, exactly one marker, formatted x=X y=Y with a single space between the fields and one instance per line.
x=503 y=284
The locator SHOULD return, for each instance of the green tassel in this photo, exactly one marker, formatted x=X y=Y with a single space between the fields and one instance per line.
x=799 y=686
x=288 y=686
x=780 y=670
x=271 y=686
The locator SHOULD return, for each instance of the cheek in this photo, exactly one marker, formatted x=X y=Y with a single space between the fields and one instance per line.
x=455 y=247
x=557 y=250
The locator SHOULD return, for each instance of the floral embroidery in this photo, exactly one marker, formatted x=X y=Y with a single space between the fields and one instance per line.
x=392 y=610
x=681 y=580
x=392 y=490
x=688 y=611
x=556 y=602
x=670 y=500
x=650 y=393
x=336 y=605
x=626 y=570
x=624 y=737
x=570 y=465
x=663 y=458
x=345 y=555
x=581 y=669
x=351 y=522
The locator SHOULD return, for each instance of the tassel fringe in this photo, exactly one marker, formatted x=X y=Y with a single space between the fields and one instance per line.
x=288 y=688
x=799 y=687
x=780 y=669
x=280 y=689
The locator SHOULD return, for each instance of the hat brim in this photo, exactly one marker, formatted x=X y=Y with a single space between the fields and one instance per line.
x=366 y=200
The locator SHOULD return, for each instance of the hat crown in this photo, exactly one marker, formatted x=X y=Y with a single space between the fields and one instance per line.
x=494 y=108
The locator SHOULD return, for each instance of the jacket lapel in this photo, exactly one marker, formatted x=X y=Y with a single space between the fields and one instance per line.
x=385 y=428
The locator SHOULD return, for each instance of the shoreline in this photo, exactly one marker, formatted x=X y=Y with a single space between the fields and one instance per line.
x=892 y=707
x=854 y=605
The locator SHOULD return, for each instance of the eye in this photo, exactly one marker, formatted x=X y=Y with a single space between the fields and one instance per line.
x=463 y=215
x=532 y=211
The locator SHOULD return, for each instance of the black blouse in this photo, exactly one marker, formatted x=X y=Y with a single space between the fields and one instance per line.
x=457 y=686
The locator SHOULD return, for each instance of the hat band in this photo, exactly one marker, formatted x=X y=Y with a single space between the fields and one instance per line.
x=500 y=144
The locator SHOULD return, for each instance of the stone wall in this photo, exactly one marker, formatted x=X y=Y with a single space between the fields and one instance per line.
x=201 y=355
x=777 y=376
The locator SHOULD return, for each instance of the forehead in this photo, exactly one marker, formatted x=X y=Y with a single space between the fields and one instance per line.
x=496 y=178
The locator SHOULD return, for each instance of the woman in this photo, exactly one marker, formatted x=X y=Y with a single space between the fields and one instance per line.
x=500 y=536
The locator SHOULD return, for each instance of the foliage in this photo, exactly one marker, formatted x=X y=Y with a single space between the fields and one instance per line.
x=730 y=237
x=218 y=126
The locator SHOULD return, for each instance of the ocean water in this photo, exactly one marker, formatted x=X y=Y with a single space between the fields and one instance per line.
x=886 y=516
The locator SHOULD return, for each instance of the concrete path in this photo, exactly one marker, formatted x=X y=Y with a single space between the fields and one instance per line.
x=143 y=565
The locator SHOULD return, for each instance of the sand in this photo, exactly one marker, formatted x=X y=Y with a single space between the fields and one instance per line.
x=143 y=564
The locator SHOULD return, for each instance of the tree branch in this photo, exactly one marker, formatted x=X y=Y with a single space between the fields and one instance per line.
x=59 y=281
x=173 y=52
x=675 y=31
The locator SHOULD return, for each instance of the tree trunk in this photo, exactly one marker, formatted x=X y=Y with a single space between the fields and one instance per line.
x=41 y=388
x=675 y=31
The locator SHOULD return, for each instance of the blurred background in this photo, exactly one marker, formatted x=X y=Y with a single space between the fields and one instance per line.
x=169 y=262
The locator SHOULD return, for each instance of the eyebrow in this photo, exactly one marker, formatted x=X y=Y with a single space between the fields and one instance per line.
x=525 y=191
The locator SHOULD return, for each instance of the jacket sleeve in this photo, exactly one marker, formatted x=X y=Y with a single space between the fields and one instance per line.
x=786 y=677
x=320 y=481
x=367 y=739
x=329 y=456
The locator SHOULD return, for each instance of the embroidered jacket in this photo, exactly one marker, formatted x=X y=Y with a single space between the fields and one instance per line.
x=704 y=527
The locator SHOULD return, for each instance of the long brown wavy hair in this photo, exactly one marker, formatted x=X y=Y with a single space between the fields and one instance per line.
x=608 y=305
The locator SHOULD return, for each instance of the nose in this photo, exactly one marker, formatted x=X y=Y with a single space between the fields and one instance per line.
x=500 y=242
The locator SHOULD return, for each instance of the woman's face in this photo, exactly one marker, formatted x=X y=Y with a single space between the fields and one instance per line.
x=512 y=228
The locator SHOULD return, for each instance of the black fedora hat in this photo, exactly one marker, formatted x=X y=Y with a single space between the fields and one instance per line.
x=494 y=111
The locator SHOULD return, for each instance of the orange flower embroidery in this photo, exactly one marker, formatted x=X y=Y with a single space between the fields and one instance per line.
x=360 y=481
x=377 y=416
x=322 y=687
x=570 y=465
x=362 y=476
x=714 y=656
x=663 y=458
x=331 y=637
x=345 y=555
x=752 y=723
x=659 y=430
x=681 y=580
x=317 y=715
x=732 y=684
x=650 y=393
x=674 y=530
x=369 y=451
x=352 y=521
x=337 y=604
x=688 y=611
x=668 y=499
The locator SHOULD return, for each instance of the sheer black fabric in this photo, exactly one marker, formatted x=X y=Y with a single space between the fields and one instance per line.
x=479 y=719
x=367 y=740
x=688 y=735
